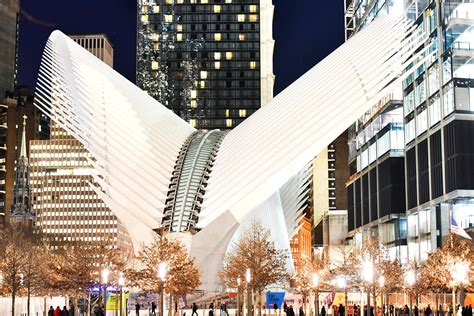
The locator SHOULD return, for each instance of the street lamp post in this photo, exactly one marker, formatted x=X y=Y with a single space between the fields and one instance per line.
x=410 y=279
x=382 y=284
x=121 y=283
x=162 y=271
x=238 y=296
x=105 y=280
x=316 y=280
x=459 y=273
x=368 y=275
x=249 y=305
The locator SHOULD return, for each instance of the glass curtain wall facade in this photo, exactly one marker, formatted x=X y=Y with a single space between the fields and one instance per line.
x=207 y=60
x=439 y=125
x=421 y=135
x=9 y=13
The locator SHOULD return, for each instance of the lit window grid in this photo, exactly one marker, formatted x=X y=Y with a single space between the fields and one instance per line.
x=66 y=205
x=217 y=69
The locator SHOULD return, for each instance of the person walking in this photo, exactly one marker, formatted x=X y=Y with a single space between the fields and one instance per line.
x=51 y=311
x=137 y=309
x=194 y=309
x=415 y=311
x=57 y=311
x=323 y=311
x=153 y=308
x=64 y=312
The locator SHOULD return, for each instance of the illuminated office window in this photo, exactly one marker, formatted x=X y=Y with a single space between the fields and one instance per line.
x=228 y=55
x=217 y=55
x=145 y=9
x=154 y=65
x=228 y=122
x=203 y=74
x=180 y=1
x=217 y=8
x=180 y=27
x=156 y=46
x=179 y=37
x=192 y=122
x=202 y=84
x=204 y=1
x=241 y=37
x=253 y=8
x=168 y=18
x=227 y=113
x=217 y=36
x=241 y=17
x=169 y=1
x=193 y=103
x=242 y=113
x=217 y=65
x=253 y=64
x=193 y=94
x=144 y=18
x=228 y=1
x=156 y=9
x=253 y=18
x=155 y=37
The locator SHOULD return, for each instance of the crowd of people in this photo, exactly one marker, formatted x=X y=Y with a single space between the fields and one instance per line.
x=61 y=312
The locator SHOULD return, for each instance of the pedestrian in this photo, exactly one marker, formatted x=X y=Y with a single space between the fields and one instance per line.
x=71 y=309
x=428 y=311
x=470 y=310
x=301 y=311
x=51 y=311
x=64 y=312
x=291 y=311
x=285 y=308
x=137 y=309
x=342 y=310
x=153 y=308
x=194 y=308
x=323 y=311
x=275 y=307
x=371 y=311
x=57 y=311
x=415 y=311
x=391 y=310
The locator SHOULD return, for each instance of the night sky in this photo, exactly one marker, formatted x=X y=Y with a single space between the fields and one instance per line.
x=305 y=31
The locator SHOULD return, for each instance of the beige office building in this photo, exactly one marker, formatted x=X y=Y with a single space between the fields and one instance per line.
x=64 y=200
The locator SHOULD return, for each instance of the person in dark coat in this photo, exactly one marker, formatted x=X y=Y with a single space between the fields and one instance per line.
x=57 y=311
x=415 y=311
x=194 y=309
x=341 y=310
x=64 y=312
x=428 y=311
x=291 y=311
x=137 y=309
x=51 y=311
x=153 y=308
x=323 y=311
x=301 y=311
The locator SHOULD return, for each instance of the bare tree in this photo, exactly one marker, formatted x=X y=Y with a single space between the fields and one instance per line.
x=255 y=251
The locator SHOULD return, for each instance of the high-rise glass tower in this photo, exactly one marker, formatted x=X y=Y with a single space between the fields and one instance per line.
x=210 y=61
x=411 y=155
x=9 y=12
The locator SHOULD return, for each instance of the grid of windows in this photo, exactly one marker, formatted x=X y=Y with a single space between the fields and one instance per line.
x=212 y=47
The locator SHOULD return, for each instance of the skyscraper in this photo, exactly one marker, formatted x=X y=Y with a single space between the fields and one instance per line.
x=9 y=12
x=64 y=200
x=210 y=61
x=411 y=156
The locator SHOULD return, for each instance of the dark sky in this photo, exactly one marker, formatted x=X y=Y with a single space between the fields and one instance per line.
x=305 y=31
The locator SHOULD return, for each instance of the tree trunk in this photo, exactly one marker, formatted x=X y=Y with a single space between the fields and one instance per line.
x=170 y=309
x=13 y=303
x=259 y=303
x=45 y=304
x=316 y=303
x=28 y=299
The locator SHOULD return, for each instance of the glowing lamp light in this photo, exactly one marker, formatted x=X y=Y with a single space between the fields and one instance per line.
x=315 y=279
x=368 y=271
x=341 y=282
x=105 y=275
x=162 y=270
x=381 y=281
x=238 y=281
x=121 y=280
x=247 y=275
x=459 y=272
x=410 y=277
